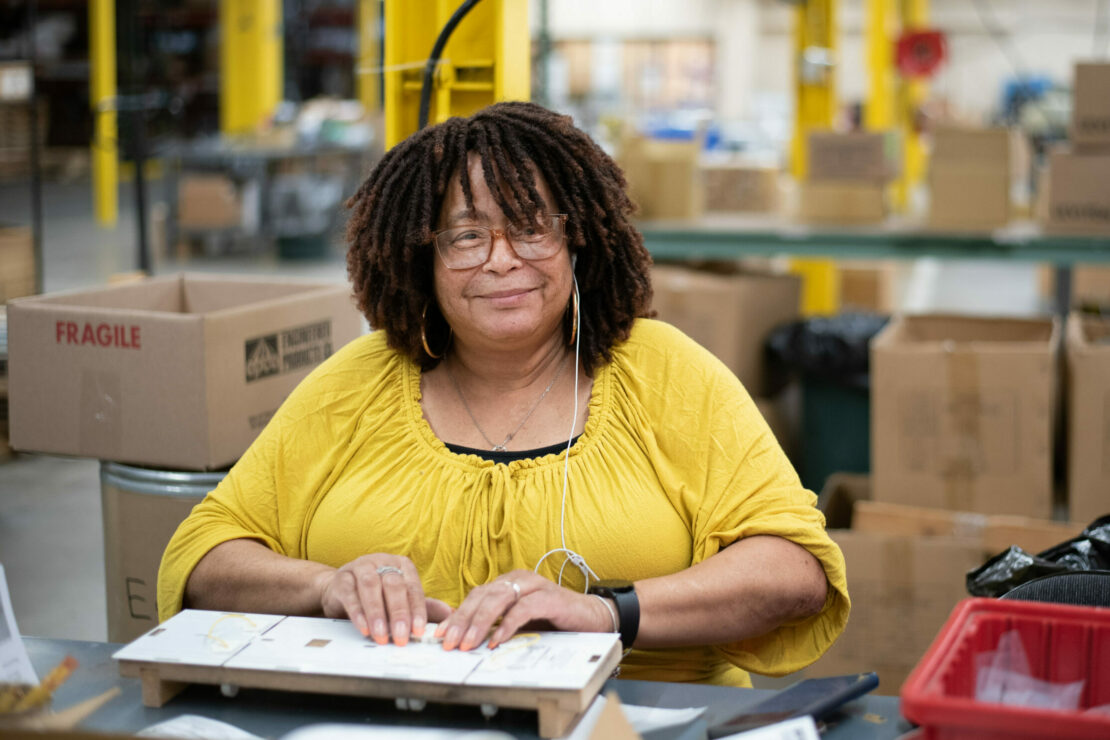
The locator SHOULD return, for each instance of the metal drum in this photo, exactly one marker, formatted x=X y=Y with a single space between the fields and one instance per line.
x=142 y=509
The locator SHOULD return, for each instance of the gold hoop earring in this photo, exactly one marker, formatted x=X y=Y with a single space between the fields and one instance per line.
x=424 y=335
x=573 y=314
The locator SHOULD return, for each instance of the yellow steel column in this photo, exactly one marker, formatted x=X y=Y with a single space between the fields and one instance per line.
x=815 y=108
x=102 y=98
x=879 y=112
x=250 y=63
x=487 y=59
x=911 y=96
x=367 y=69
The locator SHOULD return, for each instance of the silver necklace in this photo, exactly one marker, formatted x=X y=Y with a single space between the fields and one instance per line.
x=509 y=436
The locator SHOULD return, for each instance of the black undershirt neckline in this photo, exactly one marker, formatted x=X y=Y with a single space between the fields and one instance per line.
x=507 y=456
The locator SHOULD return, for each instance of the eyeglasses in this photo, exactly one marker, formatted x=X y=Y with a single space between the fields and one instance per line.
x=464 y=247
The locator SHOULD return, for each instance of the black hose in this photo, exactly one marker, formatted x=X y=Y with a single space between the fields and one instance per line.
x=433 y=59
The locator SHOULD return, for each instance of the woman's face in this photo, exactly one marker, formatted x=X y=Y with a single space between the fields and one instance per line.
x=507 y=301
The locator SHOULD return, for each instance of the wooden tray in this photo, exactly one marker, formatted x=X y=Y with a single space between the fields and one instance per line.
x=164 y=673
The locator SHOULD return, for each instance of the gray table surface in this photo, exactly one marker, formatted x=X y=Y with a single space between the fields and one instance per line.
x=271 y=714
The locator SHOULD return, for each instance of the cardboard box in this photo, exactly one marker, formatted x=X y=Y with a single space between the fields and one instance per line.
x=142 y=509
x=1078 y=201
x=179 y=372
x=1090 y=115
x=902 y=586
x=17 y=263
x=868 y=285
x=738 y=189
x=208 y=202
x=833 y=202
x=846 y=503
x=994 y=532
x=1088 y=362
x=1090 y=286
x=837 y=499
x=968 y=198
x=16 y=81
x=962 y=413
x=664 y=178
x=970 y=177
x=859 y=156
x=902 y=591
x=730 y=315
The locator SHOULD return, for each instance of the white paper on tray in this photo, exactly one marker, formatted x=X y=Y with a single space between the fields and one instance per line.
x=561 y=660
x=335 y=647
x=196 y=637
x=557 y=660
x=15 y=665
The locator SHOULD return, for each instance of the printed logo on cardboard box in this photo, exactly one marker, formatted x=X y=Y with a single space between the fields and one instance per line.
x=1067 y=212
x=1093 y=127
x=287 y=351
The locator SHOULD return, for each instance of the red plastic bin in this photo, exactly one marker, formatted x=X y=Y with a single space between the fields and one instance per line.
x=1063 y=644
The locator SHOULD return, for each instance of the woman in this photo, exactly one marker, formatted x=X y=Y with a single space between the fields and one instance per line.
x=515 y=423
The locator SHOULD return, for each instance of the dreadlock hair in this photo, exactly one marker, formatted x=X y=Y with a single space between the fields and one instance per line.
x=395 y=211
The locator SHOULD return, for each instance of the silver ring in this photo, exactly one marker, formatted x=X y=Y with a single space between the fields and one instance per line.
x=516 y=589
x=386 y=569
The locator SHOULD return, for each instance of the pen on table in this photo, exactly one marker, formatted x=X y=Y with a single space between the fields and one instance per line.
x=38 y=695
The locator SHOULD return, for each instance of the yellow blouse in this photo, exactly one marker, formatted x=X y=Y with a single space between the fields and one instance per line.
x=673 y=464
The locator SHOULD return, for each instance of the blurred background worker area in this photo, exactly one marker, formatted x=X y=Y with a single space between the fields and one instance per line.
x=758 y=332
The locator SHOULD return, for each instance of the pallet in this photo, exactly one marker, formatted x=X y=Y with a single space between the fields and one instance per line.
x=558 y=708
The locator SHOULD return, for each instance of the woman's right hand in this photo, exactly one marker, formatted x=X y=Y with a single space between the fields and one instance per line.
x=382 y=595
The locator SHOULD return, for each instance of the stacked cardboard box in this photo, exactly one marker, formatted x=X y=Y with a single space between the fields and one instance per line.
x=970 y=176
x=1090 y=127
x=902 y=589
x=208 y=202
x=962 y=413
x=907 y=569
x=664 y=179
x=1077 y=199
x=846 y=177
x=868 y=285
x=1090 y=287
x=741 y=189
x=177 y=373
x=728 y=313
x=17 y=263
x=1088 y=362
x=180 y=372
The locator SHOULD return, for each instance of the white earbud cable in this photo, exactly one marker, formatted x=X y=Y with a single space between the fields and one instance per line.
x=571 y=556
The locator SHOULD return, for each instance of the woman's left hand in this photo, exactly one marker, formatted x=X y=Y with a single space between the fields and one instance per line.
x=518 y=599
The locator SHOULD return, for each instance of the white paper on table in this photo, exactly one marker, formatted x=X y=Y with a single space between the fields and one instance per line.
x=799 y=728
x=642 y=719
x=190 y=726
x=15 y=666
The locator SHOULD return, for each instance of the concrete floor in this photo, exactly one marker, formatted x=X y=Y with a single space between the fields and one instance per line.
x=51 y=541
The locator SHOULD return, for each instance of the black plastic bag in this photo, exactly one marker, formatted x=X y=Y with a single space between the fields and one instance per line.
x=832 y=348
x=1088 y=551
